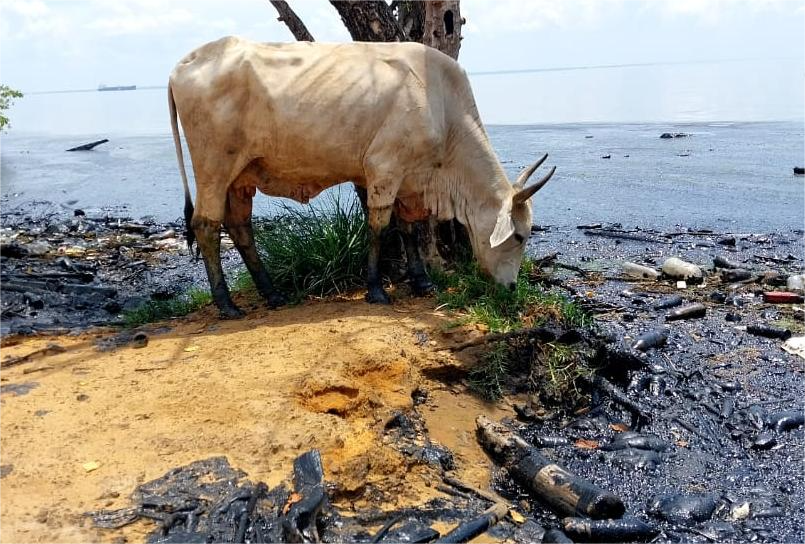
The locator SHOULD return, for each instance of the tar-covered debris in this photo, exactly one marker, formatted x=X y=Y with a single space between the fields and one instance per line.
x=63 y=271
x=716 y=453
x=209 y=501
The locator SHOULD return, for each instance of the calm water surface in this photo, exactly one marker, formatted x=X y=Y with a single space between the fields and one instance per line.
x=728 y=176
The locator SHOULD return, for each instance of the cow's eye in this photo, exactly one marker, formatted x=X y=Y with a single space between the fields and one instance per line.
x=519 y=238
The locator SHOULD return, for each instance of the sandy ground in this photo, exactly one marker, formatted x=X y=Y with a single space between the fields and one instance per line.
x=260 y=391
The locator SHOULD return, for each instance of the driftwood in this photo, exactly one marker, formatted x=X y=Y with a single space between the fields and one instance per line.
x=299 y=523
x=89 y=146
x=609 y=530
x=55 y=286
x=564 y=492
x=546 y=260
x=541 y=333
x=470 y=529
x=243 y=523
x=618 y=396
x=461 y=486
x=381 y=534
x=50 y=349
x=84 y=277
x=621 y=235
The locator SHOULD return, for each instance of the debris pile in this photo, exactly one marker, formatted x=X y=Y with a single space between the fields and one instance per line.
x=693 y=419
x=65 y=273
x=209 y=501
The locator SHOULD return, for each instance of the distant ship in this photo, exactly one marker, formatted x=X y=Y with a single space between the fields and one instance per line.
x=103 y=87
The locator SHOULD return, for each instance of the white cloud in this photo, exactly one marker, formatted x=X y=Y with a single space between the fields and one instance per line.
x=26 y=8
x=141 y=23
x=496 y=16
x=26 y=18
x=714 y=11
x=500 y=16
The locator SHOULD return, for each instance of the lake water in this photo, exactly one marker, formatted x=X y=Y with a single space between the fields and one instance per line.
x=726 y=176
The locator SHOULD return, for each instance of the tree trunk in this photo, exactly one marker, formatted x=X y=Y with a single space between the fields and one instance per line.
x=369 y=20
x=442 y=26
x=442 y=22
x=292 y=21
x=411 y=16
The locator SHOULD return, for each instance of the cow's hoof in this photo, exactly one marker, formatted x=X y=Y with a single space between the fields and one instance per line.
x=276 y=299
x=422 y=287
x=377 y=296
x=231 y=312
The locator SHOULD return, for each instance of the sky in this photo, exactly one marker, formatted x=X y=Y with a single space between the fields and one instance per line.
x=716 y=59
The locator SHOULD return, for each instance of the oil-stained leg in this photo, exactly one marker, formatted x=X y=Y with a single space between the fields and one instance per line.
x=238 y=223
x=208 y=237
x=378 y=219
x=417 y=275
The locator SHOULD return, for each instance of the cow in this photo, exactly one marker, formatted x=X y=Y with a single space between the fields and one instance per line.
x=293 y=119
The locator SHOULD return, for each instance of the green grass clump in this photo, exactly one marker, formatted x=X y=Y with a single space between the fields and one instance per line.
x=551 y=369
x=310 y=251
x=157 y=310
x=488 y=376
x=466 y=289
x=556 y=369
x=315 y=251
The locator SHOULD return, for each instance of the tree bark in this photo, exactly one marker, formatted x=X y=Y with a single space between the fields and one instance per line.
x=292 y=21
x=442 y=26
x=369 y=20
x=411 y=16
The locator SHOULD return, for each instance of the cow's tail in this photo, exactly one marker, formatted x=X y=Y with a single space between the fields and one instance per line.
x=188 y=202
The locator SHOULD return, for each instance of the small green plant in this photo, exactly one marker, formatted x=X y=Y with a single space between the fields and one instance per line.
x=466 y=289
x=556 y=370
x=486 y=379
x=157 y=310
x=551 y=369
x=317 y=250
x=7 y=96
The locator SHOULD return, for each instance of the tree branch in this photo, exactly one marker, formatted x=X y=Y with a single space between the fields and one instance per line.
x=369 y=20
x=292 y=21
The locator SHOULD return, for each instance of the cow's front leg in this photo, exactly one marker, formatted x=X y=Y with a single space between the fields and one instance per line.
x=378 y=219
x=238 y=223
x=417 y=276
x=208 y=237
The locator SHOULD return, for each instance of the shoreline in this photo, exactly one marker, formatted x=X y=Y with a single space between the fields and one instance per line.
x=330 y=374
x=65 y=271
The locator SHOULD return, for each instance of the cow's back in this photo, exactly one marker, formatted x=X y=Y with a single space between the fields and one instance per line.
x=311 y=110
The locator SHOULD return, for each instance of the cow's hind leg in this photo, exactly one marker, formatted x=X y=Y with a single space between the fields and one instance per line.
x=238 y=223
x=378 y=219
x=208 y=238
x=417 y=276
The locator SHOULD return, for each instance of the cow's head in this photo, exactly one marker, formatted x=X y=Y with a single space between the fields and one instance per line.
x=502 y=236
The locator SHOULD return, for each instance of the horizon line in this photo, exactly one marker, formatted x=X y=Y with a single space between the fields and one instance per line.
x=513 y=71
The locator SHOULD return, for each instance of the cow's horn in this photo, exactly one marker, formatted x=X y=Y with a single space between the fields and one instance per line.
x=524 y=194
x=523 y=177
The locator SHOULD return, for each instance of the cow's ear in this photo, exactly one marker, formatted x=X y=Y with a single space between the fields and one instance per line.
x=504 y=227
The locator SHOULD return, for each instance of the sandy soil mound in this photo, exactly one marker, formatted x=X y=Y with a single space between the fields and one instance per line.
x=81 y=429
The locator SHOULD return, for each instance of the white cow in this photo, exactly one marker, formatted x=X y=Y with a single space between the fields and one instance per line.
x=398 y=119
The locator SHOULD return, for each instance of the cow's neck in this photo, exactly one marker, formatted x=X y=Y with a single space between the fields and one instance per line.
x=484 y=186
